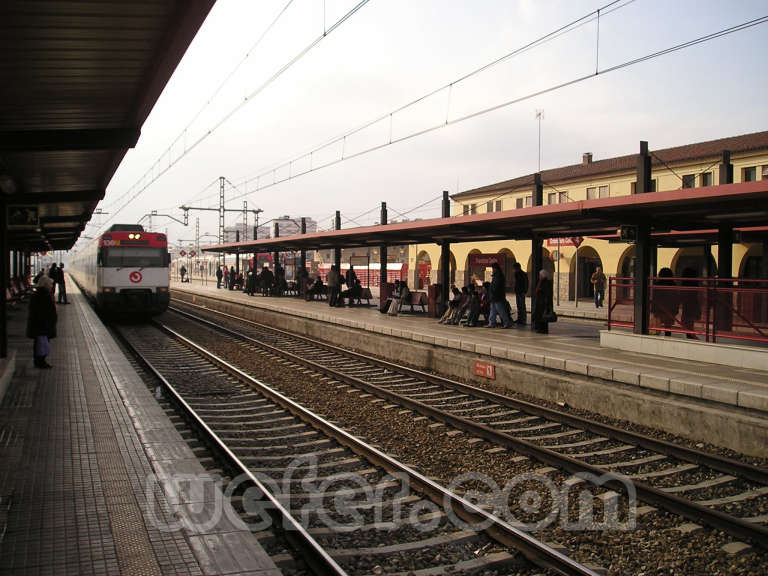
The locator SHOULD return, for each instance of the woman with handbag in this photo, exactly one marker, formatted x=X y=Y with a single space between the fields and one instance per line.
x=41 y=321
x=543 y=308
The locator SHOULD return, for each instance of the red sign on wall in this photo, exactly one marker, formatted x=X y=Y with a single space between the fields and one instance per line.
x=485 y=369
x=575 y=241
x=477 y=260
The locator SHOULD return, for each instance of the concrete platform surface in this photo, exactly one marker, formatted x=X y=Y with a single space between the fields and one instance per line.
x=95 y=479
x=572 y=346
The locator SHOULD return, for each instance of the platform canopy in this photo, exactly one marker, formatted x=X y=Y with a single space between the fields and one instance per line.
x=689 y=213
x=78 y=81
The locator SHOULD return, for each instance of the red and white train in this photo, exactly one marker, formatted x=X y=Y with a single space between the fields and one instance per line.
x=125 y=271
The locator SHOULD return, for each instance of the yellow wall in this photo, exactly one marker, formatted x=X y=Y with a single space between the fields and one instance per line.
x=610 y=254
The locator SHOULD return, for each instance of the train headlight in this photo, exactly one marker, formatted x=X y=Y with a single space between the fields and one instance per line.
x=163 y=289
x=109 y=289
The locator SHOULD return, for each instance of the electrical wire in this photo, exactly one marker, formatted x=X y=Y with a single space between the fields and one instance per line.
x=237 y=108
x=552 y=88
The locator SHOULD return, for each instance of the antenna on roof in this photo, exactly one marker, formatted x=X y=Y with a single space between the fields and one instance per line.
x=539 y=117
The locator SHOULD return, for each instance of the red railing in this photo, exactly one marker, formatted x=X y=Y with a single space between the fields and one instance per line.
x=706 y=309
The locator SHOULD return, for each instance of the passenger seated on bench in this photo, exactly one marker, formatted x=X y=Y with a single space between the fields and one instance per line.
x=316 y=288
x=401 y=295
x=354 y=292
x=453 y=305
x=475 y=297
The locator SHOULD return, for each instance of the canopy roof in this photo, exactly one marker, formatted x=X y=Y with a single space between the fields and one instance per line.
x=693 y=210
x=78 y=81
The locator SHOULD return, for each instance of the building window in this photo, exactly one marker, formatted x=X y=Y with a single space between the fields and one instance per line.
x=749 y=174
x=552 y=198
x=489 y=206
x=519 y=203
x=764 y=171
x=563 y=197
x=465 y=209
x=591 y=193
x=705 y=179
x=528 y=201
x=603 y=191
x=473 y=208
x=498 y=203
x=689 y=180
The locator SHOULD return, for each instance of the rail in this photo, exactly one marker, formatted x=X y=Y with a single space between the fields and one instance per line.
x=708 y=309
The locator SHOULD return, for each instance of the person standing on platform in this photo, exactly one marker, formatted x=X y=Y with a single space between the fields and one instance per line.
x=182 y=272
x=226 y=277
x=498 y=297
x=598 y=284
x=41 y=322
x=232 y=277
x=543 y=309
x=521 y=291
x=267 y=279
x=53 y=273
x=332 y=281
x=62 y=284
x=219 y=276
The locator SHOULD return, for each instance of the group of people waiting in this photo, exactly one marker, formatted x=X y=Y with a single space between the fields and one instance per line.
x=227 y=277
x=335 y=280
x=490 y=301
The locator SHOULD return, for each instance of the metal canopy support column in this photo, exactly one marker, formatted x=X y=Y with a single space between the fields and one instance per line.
x=275 y=254
x=383 y=252
x=537 y=242
x=221 y=216
x=643 y=248
x=303 y=254
x=445 y=256
x=4 y=276
x=337 y=251
x=237 y=254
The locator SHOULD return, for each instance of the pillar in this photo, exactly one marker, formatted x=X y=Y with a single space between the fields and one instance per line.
x=726 y=169
x=275 y=254
x=445 y=256
x=303 y=252
x=383 y=250
x=337 y=251
x=3 y=280
x=237 y=254
x=537 y=242
x=642 y=274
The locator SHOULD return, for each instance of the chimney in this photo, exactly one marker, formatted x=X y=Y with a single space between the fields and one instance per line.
x=587 y=158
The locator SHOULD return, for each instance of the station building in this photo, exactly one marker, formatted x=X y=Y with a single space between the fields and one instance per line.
x=688 y=166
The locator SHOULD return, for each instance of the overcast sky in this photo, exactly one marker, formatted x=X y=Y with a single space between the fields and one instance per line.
x=393 y=51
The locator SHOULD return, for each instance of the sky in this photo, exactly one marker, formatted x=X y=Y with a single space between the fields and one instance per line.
x=227 y=113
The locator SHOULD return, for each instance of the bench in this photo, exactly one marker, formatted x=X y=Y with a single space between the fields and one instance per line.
x=418 y=299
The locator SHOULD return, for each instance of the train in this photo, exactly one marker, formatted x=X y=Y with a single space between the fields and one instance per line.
x=125 y=271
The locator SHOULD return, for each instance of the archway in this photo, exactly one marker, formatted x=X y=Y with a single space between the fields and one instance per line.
x=693 y=257
x=508 y=268
x=546 y=263
x=451 y=270
x=588 y=261
x=476 y=272
x=423 y=270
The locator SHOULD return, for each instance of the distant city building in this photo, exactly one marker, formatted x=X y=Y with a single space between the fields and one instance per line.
x=287 y=226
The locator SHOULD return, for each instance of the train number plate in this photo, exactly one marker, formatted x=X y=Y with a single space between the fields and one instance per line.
x=485 y=369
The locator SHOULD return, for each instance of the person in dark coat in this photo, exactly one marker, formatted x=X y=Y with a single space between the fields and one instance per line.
x=267 y=279
x=521 y=291
x=498 y=298
x=62 y=284
x=53 y=273
x=41 y=322
x=232 y=277
x=219 y=276
x=543 y=305
x=664 y=300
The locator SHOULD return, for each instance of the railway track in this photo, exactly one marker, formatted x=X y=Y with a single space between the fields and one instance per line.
x=707 y=489
x=347 y=507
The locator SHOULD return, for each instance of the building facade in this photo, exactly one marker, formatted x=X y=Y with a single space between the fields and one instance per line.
x=572 y=261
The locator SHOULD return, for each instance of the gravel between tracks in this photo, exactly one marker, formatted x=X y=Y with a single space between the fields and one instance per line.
x=655 y=546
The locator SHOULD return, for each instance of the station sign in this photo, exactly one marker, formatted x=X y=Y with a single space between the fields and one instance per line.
x=192 y=253
x=574 y=241
x=182 y=253
x=485 y=369
x=479 y=260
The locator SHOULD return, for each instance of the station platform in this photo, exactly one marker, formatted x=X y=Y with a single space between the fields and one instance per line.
x=94 y=477
x=571 y=351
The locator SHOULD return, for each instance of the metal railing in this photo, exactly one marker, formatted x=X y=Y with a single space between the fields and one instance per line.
x=708 y=309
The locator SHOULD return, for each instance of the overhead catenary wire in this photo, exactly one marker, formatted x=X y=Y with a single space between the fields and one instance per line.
x=239 y=106
x=528 y=96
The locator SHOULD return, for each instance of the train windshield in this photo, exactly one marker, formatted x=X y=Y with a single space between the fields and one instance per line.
x=133 y=257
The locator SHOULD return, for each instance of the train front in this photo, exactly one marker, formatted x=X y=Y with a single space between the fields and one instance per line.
x=133 y=273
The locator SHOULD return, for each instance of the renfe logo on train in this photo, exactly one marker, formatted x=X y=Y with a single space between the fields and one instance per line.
x=135 y=277
x=485 y=369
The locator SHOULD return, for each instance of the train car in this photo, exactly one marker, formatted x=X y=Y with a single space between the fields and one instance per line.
x=125 y=271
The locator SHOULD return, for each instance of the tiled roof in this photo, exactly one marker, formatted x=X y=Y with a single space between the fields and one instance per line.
x=698 y=151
